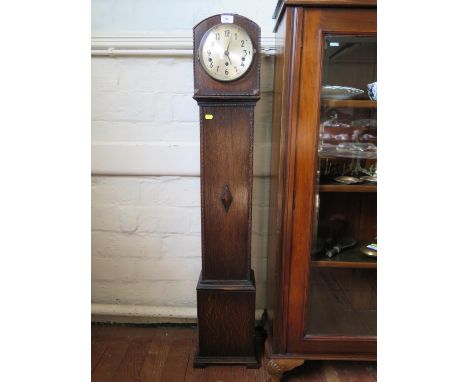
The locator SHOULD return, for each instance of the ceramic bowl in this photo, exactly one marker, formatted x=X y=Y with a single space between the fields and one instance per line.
x=372 y=91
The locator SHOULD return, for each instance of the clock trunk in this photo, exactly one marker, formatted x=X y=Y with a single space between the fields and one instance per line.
x=226 y=186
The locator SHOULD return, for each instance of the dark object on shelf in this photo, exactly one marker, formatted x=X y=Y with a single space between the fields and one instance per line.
x=369 y=250
x=226 y=287
x=352 y=258
x=340 y=246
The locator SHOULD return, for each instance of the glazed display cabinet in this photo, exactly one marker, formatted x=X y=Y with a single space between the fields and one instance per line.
x=322 y=264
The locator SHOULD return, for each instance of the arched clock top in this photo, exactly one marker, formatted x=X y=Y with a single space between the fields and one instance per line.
x=226 y=58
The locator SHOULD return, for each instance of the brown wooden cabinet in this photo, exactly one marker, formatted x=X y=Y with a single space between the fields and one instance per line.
x=324 y=127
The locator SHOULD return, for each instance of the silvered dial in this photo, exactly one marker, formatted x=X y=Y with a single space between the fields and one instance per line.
x=226 y=52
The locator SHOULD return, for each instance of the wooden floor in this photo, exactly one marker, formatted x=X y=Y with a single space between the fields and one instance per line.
x=144 y=354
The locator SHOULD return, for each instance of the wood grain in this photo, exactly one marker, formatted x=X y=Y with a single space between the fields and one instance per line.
x=294 y=184
x=171 y=352
x=287 y=83
x=282 y=5
x=176 y=363
x=109 y=362
x=226 y=289
x=350 y=258
x=226 y=160
x=97 y=350
x=226 y=320
x=130 y=365
x=159 y=349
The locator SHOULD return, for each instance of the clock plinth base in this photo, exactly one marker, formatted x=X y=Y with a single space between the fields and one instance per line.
x=226 y=323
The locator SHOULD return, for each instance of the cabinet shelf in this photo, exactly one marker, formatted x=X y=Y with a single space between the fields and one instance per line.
x=350 y=103
x=347 y=187
x=350 y=258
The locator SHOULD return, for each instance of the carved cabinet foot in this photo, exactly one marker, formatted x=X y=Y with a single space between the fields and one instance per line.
x=277 y=366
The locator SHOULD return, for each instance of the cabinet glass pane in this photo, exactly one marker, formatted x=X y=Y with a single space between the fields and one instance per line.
x=342 y=294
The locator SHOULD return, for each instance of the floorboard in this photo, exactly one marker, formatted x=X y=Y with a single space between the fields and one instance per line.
x=165 y=354
x=109 y=362
x=131 y=364
x=97 y=351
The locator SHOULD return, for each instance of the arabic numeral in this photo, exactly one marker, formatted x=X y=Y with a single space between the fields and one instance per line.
x=218 y=37
x=226 y=72
x=211 y=64
x=242 y=43
x=227 y=33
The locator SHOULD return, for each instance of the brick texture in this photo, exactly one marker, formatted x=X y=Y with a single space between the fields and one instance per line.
x=146 y=246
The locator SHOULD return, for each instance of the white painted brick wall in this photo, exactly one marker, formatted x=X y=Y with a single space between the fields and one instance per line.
x=146 y=229
x=146 y=236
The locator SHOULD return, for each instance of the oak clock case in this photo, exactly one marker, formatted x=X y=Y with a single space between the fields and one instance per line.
x=226 y=287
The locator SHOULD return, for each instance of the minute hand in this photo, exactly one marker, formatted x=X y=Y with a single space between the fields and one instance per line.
x=226 y=52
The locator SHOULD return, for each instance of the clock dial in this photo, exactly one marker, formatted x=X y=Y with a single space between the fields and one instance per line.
x=226 y=52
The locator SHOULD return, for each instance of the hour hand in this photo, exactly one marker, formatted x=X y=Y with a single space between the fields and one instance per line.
x=226 y=53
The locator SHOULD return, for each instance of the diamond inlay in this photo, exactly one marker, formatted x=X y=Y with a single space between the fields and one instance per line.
x=226 y=198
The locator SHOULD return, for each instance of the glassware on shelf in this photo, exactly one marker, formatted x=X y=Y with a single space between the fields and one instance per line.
x=356 y=169
x=354 y=150
x=340 y=92
x=370 y=123
x=333 y=121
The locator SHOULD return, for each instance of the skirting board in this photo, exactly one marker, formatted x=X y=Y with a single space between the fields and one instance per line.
x=147 y=314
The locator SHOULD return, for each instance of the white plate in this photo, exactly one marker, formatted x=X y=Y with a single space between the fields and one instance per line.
x=340 y=92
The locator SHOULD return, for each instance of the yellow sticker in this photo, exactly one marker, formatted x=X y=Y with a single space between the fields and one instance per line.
x=208 y=116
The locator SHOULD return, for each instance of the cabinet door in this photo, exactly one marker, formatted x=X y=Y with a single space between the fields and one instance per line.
x=332 y=298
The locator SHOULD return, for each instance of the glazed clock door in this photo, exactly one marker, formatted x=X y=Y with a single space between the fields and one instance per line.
x=334 y=220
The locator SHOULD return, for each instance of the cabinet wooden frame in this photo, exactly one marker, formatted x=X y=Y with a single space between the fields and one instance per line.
x=293 y=181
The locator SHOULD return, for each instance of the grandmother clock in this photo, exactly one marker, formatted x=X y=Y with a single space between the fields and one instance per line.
x=227 y=87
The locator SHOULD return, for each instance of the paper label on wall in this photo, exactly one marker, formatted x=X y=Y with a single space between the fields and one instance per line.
x=227 y=19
